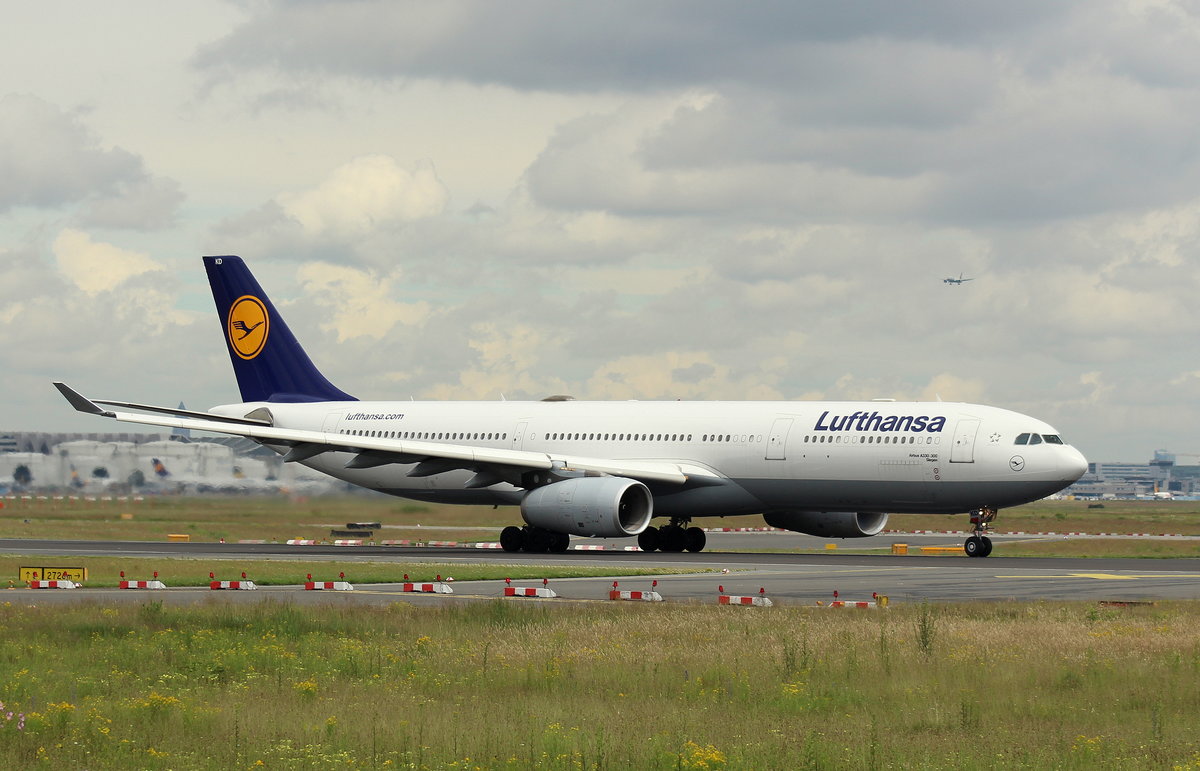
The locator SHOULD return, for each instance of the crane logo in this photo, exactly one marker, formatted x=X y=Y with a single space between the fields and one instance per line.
x=248 y=326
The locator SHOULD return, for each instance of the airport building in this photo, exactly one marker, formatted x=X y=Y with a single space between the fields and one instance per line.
x=148 y=463
x=1162 y=477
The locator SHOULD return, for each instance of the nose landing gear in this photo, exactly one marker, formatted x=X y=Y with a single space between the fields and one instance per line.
x=978 y=544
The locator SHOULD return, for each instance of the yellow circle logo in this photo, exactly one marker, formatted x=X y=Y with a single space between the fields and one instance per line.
x=248 y=326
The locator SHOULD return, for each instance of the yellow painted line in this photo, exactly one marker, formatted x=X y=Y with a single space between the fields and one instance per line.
x=1112 y=576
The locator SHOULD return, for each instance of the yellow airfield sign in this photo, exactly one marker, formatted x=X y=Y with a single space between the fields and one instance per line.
x=53 y=574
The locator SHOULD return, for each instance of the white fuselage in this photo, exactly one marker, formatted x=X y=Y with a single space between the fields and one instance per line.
x=936 y=457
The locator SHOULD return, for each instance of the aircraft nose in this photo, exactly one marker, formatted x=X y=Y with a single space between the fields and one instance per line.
x=1072 y=464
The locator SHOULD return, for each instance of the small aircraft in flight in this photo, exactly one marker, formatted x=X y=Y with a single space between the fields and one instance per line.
x=959 y=280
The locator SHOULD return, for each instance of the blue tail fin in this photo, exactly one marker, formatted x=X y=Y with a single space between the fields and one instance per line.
x=270 y=365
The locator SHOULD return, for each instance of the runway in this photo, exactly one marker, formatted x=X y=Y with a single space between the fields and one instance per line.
x=789 y=579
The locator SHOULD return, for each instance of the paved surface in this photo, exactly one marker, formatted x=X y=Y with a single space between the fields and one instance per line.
x=790 y=579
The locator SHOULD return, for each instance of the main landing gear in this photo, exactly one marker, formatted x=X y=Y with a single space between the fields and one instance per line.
x=533 y=539
x=978 y=544
x=673 y=537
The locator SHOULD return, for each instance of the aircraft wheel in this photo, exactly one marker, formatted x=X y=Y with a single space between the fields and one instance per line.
x=538 y=541
x=987 y=545
x=973 y=546
x=512 y=538
x=560 y=542
x=694 y=539
x=672 y=538
x=648 y=539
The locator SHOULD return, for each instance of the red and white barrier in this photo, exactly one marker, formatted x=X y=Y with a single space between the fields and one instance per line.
x=437 y=586
x=232 y=585
x=756 y=600
x=40 y=584
x=340 y=585
x=623 y=594
x=337 y=586
x=489 y=545
x=760 y=600
x=528 y=591
x=302 y=542
x=397 y=543
x=348 y=542
x=543 y=591
x=877 y=601
x=434 y=587
x=152 y=584
x=141 y=585
x=243 y=584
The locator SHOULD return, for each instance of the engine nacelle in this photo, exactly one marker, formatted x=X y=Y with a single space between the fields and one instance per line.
x=609 y=507
x=828 y=524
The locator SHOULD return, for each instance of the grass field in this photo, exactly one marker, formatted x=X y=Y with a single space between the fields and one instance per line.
x=279 y=519
x=496 y=685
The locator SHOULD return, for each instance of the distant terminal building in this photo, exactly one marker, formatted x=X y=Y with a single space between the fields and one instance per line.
x=43 y=441
x=1162 y=477
x=149 y=463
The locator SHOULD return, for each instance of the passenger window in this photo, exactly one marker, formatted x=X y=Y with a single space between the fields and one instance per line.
x=1022 y=439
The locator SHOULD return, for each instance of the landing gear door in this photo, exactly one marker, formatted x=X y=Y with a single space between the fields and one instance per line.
x=777 y=440
x=963 y=450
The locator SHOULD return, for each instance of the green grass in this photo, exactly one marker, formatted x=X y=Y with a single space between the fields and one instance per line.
x=279 y=519
x=500 y=685
x=272 y=518
x=1156 y=517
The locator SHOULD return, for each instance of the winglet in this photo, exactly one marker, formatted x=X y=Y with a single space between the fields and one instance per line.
x=81 y=402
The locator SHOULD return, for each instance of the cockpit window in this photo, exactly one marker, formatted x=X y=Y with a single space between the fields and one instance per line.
x=1052 y=438
x=1035 y=439
x=1022 y=439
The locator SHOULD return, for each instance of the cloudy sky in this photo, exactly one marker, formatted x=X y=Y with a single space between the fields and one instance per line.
x=698 y=200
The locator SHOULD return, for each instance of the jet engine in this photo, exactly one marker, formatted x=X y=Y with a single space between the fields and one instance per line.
x=828 y=524
x=609 y=507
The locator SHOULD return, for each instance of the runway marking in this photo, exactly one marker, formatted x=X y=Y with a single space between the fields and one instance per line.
x=1112 y=576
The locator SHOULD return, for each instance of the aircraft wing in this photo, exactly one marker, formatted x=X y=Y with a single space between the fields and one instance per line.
x=430 y=457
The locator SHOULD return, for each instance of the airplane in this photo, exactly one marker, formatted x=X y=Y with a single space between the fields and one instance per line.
x=959 y=280
x=606 y=469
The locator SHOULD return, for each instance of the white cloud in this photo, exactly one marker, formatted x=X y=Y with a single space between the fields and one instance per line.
x=95 y=266
x=678 y=375
x=360 y=301
x=365 y=194
x=716 y=202
x=50 y=158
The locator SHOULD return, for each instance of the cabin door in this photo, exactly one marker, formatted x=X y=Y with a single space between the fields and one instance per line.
x=777 y=439
x=963 y=450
